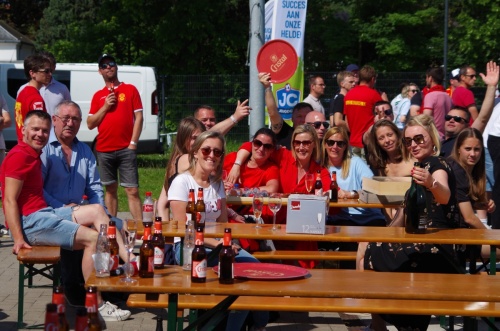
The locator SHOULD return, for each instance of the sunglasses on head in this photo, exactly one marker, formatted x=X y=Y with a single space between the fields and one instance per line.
x=46 y=70
x=306 y=143
x=107 y=65
x=318 y=124
x=207 y=150
x=340 y=143
x=457 y=119
x=418 y=139
x=258 y=144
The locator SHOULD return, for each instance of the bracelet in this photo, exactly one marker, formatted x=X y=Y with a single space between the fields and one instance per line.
x=237 y=163
x=133 y=143
x=268 y=89
x=434 y=184
x=233 y=119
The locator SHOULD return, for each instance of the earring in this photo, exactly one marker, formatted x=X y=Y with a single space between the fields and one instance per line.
x=434 y=149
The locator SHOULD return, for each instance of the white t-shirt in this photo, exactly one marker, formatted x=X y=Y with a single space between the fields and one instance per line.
x=315 y=103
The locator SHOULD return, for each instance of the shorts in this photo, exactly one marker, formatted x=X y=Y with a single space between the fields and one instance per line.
x=51 y=227
x=124 y=161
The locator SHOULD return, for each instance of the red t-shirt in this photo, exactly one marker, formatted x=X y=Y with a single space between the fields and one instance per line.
x=23 y=163
x=463 y=97
x=28 y=99
x=358 y=109
x=115 y=130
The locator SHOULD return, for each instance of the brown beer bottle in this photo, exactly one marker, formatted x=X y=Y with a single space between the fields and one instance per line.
x=318 y=185
x=334 y=188
x=199 y=259
x=81 y=320
x=58 y=299
x=190 y=208
x=113 y=247
x=92 y=312
x=158 y=242
x=200 y=210
x=51 y=317
x=146 y=253
x=226 y=259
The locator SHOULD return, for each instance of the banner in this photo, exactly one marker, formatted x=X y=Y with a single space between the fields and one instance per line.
x=286 y=19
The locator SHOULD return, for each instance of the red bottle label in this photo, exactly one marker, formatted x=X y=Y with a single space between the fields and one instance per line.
x=199 y=268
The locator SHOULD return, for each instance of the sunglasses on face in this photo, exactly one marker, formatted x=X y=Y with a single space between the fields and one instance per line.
x=258 y=144
x=340 y=143
x=414 y=91
x=46 y=70
x=318 y=124
x=418 y=139
x=471 y=76
x=107 y=65
x=306 y=143
x=207 y=150
x=388 y=112
x=457 y=119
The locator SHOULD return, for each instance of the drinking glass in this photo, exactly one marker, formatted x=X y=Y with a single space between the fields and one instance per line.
x=129 y=233
x=275 y=205
x=309 y=182
x=257 y=204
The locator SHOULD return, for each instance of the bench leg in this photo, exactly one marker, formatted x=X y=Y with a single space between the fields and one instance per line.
x=173 y=300
x=20 y=297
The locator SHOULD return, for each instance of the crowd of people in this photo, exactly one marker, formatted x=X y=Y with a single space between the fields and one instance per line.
x=361 y=134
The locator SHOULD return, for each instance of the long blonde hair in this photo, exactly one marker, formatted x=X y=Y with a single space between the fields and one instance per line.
x=346 y=158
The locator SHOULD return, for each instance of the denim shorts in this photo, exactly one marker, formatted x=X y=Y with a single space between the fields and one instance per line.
x=52 y=227
x=124 y=161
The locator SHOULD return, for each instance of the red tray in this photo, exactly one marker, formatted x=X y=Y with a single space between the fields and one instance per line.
x=266 y=271
x=279 y=58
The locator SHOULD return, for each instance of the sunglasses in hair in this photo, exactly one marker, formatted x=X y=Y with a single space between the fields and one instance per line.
x=107 y=65
x=340 y=143
x=306 y=143
x=46 y=70
x=457 y=119
x=207 y=150
x=258 y=144
x=318 y=124
x=418 y=139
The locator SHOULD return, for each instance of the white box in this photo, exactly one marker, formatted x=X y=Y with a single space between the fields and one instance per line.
x=306 y=214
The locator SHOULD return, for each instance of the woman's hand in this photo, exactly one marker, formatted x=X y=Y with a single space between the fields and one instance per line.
x=491 y=206
x=233 y=175
x=422 y=177
x=343 y=194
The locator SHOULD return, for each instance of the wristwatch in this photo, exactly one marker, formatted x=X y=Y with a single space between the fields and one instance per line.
x=133 y=142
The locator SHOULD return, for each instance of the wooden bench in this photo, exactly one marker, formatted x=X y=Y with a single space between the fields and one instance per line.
x=49 y=256
x=306 y=255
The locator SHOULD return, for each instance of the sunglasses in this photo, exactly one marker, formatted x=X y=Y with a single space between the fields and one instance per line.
x=414 y=91
x=207 y=150
x=107 y=65
x=418 y=139
x=340 y=143
x=258 y=144
x=306 y=143
x=46 y=70
x=318 y=124
x=471 y=76
x=457 y=119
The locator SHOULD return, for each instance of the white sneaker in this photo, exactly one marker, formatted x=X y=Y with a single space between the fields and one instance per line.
x=111 y=313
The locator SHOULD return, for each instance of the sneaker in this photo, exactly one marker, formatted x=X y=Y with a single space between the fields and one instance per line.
x=111 y=313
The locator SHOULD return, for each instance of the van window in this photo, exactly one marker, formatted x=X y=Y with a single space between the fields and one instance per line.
x=16 y=79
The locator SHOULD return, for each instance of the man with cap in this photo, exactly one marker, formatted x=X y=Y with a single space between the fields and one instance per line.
x=463 y=96
x=355 y=71
x=453 y=81
x=317 y=89
x=116 y=112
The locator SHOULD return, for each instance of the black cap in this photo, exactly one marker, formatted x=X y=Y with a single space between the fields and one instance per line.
x=105 y=56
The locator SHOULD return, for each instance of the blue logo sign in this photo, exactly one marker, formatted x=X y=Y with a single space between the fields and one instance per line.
x=287 y=98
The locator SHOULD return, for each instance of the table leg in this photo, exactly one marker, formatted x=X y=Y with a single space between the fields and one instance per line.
x=173 y=300
x=213 y=316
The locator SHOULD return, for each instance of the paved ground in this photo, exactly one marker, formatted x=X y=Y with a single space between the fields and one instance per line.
x=144 y=320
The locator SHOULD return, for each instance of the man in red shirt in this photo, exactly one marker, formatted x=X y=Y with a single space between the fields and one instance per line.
x=358 y=108
x=116 y=112
x=463 y=96
x=38 y=71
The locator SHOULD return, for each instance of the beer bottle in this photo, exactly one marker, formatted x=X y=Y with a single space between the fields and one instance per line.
x=200 y=209
x=92 y=311
x=58 y=299
x=318 y=185
x=417 y=207
x=226 y=259
x=51 y=317
x=199 y=259
x=158 y=242
x=190 y=208
x=334 y=188
x=81 y=320
x=146 y=253
x=113 y=247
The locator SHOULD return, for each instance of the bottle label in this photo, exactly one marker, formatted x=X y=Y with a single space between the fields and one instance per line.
x=147 y=208
x=115 y=260
x=58 y=299
x=151 y=264
x=200 y=217
x=91 y=302
x=318 y=192
x=159 y=255
x=199 y=268
x=51 y=326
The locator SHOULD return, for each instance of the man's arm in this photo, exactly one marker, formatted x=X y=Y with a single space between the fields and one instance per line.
x=93 y=120
x=136 y=132
x=272 y=108
x=242 y=111
x=491 y=80
x=11 y=209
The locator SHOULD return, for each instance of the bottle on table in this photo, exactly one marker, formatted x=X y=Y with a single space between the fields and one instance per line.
x=58 y=299
x=417 y=207
x=113 y=247
x=199 y=259
x=318 y=185
x=92 y=311
x=188 y=245
x=147 y=210
x=81 y=319
x=226 y=259
x=235 y=190
x=84 y=201
x=158 y=242
x=102 y=253
x=51 y=317
x=334 y=188
x=200 y=209
x=146 y=256
x=191 y=205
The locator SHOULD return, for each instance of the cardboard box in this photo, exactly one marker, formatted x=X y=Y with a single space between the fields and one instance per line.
x=369 y=197
x=306 y=214
x=387 y=185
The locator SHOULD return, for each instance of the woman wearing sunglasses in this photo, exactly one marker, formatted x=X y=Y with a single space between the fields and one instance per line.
x=402 y=107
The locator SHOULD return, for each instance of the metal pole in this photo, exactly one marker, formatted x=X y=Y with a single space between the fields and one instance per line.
x=256 y=98
x=445 y=50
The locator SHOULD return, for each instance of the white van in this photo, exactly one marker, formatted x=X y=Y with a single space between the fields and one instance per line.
x=83 y=80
